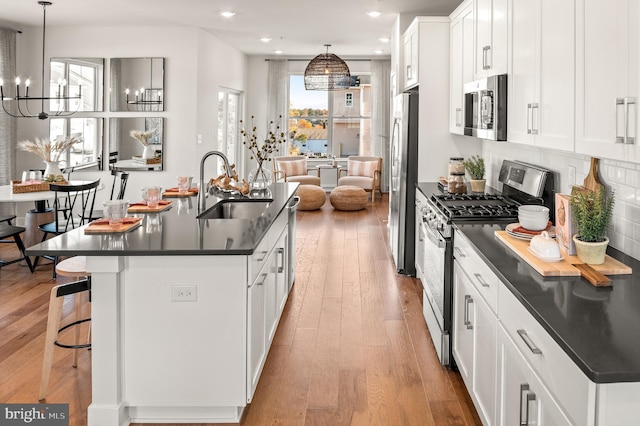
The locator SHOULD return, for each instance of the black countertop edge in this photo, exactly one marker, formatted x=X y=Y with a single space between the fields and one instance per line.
x=178 y=234
x=612 y=373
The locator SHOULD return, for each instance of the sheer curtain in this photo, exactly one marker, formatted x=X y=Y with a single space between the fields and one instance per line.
x=380 y=114
x=278 y=98
x=8 y=124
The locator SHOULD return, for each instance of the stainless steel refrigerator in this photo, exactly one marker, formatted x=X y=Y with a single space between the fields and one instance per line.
x=403 y=178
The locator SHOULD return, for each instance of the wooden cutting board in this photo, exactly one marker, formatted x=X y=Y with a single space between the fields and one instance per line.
x=104 y=228
x=592 y=181
x=564 y=267
x=139 y=208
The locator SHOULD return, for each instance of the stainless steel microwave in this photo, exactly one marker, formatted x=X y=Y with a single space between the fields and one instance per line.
x=485 y=108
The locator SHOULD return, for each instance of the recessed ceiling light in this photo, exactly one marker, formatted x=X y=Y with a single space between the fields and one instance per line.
x=227 y=14
x=278 y=52
x=265 y=39
x=378 y=52
x=374 y=13
x=385 y=39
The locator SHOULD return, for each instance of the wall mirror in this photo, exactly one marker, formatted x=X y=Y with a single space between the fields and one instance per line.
x=68 y=75
x=137 y=84
x=128 y=152
x=86 y=154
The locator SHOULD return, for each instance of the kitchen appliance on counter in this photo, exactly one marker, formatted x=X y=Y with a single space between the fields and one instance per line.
x=403 y=178
x=485 y=108
x=521 y=184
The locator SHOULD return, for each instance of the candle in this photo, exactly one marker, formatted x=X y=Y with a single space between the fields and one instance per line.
x=17 y=86
x=27 y=83
x=1 y=91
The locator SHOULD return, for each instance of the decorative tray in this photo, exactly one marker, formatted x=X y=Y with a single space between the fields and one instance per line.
x=101 y=226
x=173 y=192
x=142 y=207
x=138 y=159
x=17 y=187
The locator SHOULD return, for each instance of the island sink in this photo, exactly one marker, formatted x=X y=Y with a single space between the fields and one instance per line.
x=236 y=209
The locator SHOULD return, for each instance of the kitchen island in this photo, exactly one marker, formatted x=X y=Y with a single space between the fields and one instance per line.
x=573 y=348
x=183 y=310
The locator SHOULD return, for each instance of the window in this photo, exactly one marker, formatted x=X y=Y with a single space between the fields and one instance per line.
x=330 y=123
x=67 y=75
x=228 y=121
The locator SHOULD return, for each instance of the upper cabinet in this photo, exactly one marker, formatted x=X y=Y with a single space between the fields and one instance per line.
x=541 y=91
x=411 y=55
x=491 y=38
x=462 y=54
x=607 y=79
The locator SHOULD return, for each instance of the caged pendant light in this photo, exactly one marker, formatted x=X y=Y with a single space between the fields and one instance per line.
x=22 y=99
x=327 y=72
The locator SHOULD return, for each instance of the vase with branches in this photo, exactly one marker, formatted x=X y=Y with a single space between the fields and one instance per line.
x=262 y=149
x=50 y=152
x=145 y=140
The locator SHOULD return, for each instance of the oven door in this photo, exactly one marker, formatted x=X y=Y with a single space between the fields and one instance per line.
x=435 y=249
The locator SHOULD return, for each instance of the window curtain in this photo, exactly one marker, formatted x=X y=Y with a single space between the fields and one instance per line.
x=380 y=114
x=8 y=124
x=278 y=99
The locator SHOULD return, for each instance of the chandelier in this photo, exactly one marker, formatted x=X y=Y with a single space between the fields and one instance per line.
x=327 y=72
x=22 y=100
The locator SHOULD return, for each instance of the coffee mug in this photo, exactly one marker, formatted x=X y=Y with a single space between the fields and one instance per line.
x=151 y=195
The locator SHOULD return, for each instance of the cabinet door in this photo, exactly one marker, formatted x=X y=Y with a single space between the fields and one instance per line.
x=607 y=57
x=271 y=298
x=462 y=51
x=464 y=305
x=484 y=363
x=282 y=256
x=256 y=334
x=523 y=74
x=491 y=38
x=411 y=58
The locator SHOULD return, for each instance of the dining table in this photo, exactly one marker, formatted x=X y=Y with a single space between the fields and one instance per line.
x=40 y=214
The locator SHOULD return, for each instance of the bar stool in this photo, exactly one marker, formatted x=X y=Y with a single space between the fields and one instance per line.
x=72 y=267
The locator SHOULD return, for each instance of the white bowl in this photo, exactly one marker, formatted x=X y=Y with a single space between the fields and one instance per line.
x=534 y=224
x=533 y=209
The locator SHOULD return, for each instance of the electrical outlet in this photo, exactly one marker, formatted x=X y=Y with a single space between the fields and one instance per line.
x=572 y=175
x=184 y=293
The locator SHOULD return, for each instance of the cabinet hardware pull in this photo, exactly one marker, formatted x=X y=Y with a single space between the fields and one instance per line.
x=529 y=114
x=264 y=256
x=535 y=128
x=485 y=65
x=530 y=397
x=628 y=101
x=459 y=252
x=467 y=301
x=527 y=340
x=458 y=117
x=619 y=139
x=281 y=265
x=408 y=72
x=481 y=280
x=264 y=278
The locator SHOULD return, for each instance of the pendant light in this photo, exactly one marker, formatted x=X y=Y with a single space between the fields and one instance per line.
x=22 y=100
x=327 y=72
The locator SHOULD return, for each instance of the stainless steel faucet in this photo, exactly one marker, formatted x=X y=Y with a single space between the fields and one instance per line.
x=202 y=204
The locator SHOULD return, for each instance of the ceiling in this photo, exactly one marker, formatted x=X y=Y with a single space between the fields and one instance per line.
x=296 y=28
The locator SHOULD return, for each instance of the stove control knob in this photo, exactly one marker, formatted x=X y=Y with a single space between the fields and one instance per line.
x=440 y=226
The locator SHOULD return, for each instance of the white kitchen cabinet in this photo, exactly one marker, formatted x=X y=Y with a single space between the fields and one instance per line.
x=491 y=38
x=607 y=79
x=541 y=91
x=256 y=333
x=461 y=62
x=411 y=55
x=474 y=343
x=525 y=400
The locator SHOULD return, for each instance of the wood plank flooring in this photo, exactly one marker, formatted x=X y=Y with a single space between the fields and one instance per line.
x=352 y=347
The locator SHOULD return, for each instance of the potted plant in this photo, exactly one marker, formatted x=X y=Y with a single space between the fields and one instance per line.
x=592 y=213
x=475 y=167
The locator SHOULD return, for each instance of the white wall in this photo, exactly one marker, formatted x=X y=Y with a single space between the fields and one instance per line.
x=196 y=66
x=622 y=177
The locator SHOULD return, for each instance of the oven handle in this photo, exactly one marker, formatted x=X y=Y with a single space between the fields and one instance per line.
x=433 y=237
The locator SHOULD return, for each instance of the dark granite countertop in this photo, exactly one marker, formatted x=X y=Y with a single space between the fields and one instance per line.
x=598 y=328
x=175 y=231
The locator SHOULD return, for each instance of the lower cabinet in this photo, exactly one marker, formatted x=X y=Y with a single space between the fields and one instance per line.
x=524 y=398
x=267 y=295
x=474 y=344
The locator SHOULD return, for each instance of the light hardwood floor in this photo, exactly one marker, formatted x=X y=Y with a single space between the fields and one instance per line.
x=352 y=347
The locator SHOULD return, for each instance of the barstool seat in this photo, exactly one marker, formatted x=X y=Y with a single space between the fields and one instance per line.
x=72 y=267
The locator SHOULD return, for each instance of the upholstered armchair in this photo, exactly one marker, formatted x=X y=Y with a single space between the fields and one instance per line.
x=293 y=169
x=365 y=172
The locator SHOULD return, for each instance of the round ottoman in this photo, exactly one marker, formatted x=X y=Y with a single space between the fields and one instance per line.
x=312 y=197
x=348 y=198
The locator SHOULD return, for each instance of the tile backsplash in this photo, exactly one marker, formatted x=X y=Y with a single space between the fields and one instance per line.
x=621 y=177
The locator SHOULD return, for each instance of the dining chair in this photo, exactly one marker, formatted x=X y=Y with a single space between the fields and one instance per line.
x=10 y=231
x=72 y=267
x=293 y=168
x=7 y=219
x=365 y=172
x=117 y=175
x=79 y=198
